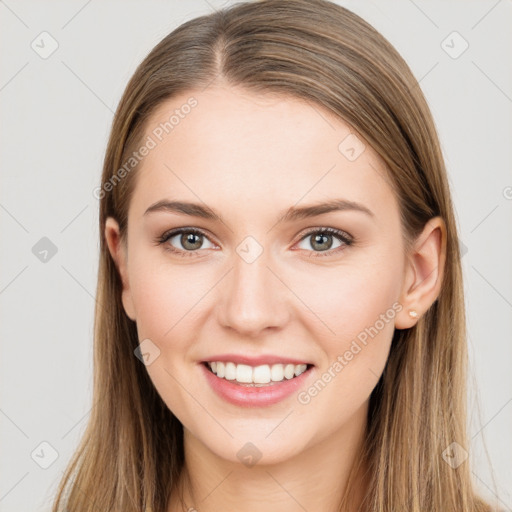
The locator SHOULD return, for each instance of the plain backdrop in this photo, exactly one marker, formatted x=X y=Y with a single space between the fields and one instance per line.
x=64 y=66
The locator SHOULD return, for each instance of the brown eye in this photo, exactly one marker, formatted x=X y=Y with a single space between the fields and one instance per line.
x=191 y=241
x=321 y=241
x=324 y=240
x=185 y=241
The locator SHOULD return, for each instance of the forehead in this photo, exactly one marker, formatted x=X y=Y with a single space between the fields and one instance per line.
x=261 y=151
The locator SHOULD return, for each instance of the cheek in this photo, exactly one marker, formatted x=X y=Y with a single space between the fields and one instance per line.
x=167 y=301
x=168 y=298
x=160 y=301
x=347 y=299
x=357 y=310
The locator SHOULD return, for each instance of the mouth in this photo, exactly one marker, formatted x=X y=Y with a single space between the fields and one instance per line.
x=244 y=385
x=256 y=376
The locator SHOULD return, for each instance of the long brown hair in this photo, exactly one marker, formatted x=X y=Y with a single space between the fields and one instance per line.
x=131 y=453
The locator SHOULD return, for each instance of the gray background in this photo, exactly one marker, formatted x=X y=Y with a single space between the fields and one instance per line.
x=56 y=115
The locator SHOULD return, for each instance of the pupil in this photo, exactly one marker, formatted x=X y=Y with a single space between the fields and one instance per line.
x=189 y=239
x=318 y=240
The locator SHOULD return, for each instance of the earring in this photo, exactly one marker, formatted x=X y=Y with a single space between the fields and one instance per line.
x=413 y=313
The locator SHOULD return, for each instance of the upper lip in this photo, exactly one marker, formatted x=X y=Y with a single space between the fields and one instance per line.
x=255 y=360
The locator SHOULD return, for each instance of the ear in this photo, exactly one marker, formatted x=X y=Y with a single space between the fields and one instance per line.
x=423 y=273
x=118 y=251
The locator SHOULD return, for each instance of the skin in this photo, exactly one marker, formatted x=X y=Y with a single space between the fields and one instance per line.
x=251 y=157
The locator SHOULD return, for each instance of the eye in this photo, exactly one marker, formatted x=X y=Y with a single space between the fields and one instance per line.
x=188 y=241
x=321 y=240
x=184 y=241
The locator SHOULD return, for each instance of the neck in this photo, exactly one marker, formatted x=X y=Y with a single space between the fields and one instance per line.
x=314 y=479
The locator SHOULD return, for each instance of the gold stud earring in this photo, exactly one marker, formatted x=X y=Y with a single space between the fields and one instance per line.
x=413 y=313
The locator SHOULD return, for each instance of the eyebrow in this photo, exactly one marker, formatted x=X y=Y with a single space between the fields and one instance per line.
x=291 y=214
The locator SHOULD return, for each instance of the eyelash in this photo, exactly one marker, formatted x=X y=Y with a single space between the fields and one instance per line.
x=341 y=235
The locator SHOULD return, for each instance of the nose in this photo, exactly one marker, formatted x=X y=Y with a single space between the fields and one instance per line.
x=253 y=297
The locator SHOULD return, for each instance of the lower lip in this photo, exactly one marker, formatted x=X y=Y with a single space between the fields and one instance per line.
x=248 y=396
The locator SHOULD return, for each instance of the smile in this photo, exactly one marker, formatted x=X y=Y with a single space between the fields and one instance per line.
x=261 y=385
x=256 y=375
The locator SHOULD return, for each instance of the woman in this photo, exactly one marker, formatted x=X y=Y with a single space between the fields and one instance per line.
x=280 y=320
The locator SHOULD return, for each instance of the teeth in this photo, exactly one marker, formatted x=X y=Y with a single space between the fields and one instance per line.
x=262 y=374
x=289 y=371
x=277 y=372
x=230 y=371
x=243 y=373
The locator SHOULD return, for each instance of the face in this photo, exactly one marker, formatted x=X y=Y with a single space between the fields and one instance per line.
x=256 y=280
